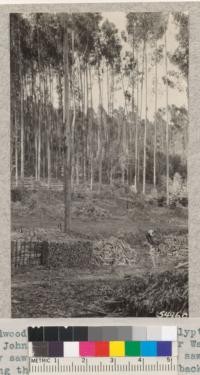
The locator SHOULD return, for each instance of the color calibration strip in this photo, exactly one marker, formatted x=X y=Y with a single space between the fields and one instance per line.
x=104 y=333
x=112 y=341
x=102 y=349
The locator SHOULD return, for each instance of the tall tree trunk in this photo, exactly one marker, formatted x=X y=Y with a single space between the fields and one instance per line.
x=108 y=90
x=133 y=104
x=36 y=155
x=16 y=146
x=39 y=108
x=67 y=135
x=112 y=88
x=83 y=120
x=155 y=123
x=100 y=131
x=167 y=123
x=136 y=134
x=77 y=170
x=145 y=126
x=22 y=126
x=34 y=121
x=39 y=140
x=87 y=123
x=74 y=113
x=44 y=130
x=49 y=125
x=141 y=106
x=124 y=135
x=91 y=134
x=60 y=120
x=21 y=105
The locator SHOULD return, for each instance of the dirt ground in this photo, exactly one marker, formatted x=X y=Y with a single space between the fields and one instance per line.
x=42 y=292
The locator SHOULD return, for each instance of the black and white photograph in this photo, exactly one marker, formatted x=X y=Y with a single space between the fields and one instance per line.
x=99 y=137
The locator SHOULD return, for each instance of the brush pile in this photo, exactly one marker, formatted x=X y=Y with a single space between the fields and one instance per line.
x=174 y=244
x=149 y=295
x=112 y=252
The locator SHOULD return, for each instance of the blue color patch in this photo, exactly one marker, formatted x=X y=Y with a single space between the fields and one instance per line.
x=164 y=348
x=148 y=349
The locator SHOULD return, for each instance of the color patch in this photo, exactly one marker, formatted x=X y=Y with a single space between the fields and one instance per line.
x=87 y=349
x=124 y=333
x=110 y=334
x=164 y=348
x=40 y=349
x=35 y=334
x=80 y=333
x=102 y=349
x=139 y=333
x=95 y=333
x=55 y=349
x=169 y=333
x=65 y=334
x=148 y=349
x=71 y=349
x=154 y=333
x=50 y=333
x=117 y=348
x=132 y=348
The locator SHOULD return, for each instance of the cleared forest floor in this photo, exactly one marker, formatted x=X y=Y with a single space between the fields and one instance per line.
x=136 y=290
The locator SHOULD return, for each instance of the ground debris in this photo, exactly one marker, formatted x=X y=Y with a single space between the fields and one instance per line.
x=89 y=209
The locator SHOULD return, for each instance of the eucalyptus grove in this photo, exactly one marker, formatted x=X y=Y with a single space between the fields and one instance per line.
x=80 y=100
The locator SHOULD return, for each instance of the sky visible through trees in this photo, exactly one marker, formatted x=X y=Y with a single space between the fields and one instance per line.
x=177 y=95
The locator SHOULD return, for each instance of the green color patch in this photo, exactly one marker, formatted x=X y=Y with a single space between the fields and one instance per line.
x=132 y=349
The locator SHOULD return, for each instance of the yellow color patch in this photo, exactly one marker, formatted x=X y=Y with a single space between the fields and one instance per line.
x=117 y=348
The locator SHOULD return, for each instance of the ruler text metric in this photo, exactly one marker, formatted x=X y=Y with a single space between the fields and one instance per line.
x=103 y=366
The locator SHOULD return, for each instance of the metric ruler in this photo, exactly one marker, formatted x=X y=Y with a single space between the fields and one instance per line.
x=103 y=366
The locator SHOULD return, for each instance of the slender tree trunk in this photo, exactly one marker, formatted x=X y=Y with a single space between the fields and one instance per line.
x=22 y=127
x=111 y=173
x=87 y=122
x=39 y=141
x=133 y=105
x=67 y=135
x=60 y=121
x=136 y=134
x=74 y=113
x=123 y=175
x=36 y=155
x=49 y=125
x=112 y=88
x=16 y=147
x=77 y=171
x=34 y=122
x=155 y=123
x=91 y=135
x=39 y=109
x=108 y=90
x=145 y=126
x=124 y=134
x=100 y=131
x=167 y=123
x=44 y=129
x=83 y=119
x=21 y=106
x=141 y=106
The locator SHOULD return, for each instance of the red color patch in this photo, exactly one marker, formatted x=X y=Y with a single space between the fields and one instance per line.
x=102 y=349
